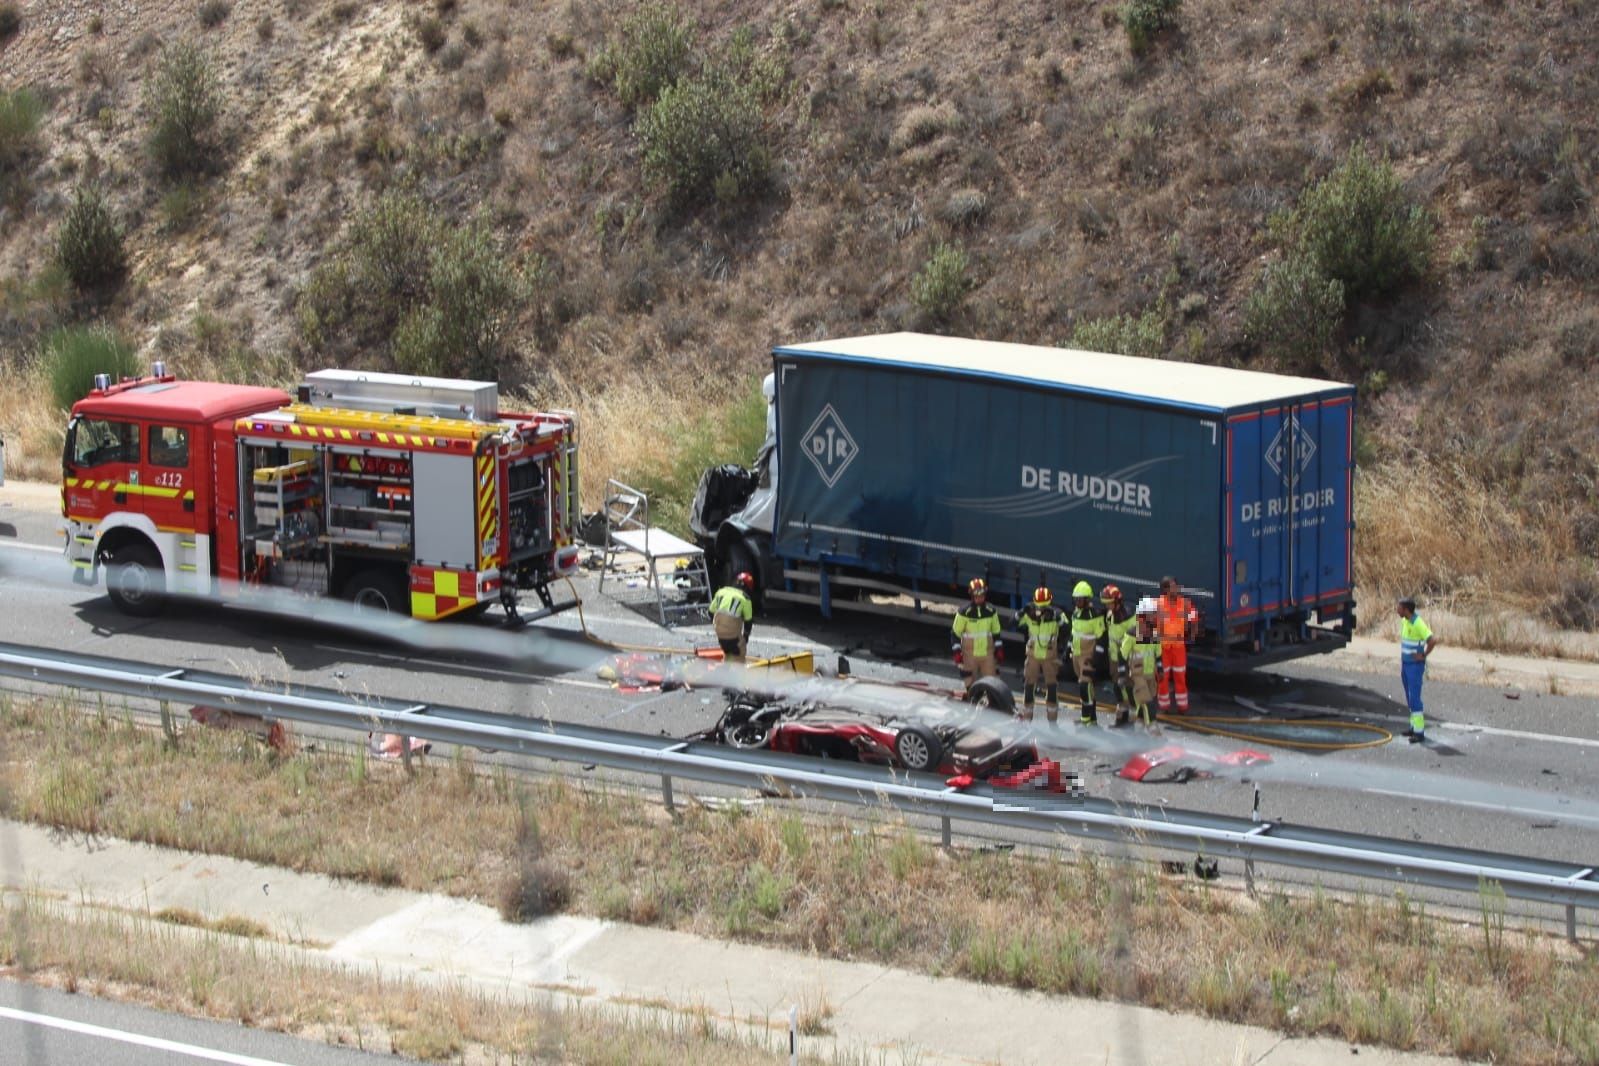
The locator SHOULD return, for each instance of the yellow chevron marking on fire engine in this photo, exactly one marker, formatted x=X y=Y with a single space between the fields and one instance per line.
x=446 y=584
x=383 y=438
x=344 y=434
x=296 y=430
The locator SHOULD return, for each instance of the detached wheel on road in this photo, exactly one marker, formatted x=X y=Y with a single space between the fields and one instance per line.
x=135 y=580
x=376 y=590
x=993 y=694
x=917 y=748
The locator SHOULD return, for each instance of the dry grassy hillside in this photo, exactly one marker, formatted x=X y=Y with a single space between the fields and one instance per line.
x=1079 y=180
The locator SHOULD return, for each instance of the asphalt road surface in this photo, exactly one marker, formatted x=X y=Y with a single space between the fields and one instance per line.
x=44 y=1027
x=1505 y=771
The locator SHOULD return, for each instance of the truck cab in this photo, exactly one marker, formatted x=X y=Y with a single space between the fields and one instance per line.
x=136 y=484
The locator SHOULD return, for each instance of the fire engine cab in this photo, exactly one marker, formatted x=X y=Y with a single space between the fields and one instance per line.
x=413 y=495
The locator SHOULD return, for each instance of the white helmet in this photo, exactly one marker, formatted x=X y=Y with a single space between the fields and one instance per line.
x=1147 y=605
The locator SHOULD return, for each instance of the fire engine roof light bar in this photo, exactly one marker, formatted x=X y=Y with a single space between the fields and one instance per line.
x=102 y=382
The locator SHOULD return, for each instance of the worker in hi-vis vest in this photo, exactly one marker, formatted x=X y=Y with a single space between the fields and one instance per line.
x=1040 y=623
x=1119 y=623
x=976 y=634
x=1141 y=653
x=1415 y=644
x=1176 y=620
x=733 y=616
x=1088 y=644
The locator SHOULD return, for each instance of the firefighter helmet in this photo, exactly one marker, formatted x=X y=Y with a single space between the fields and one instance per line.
x=977 y=587
x=1110 y=594
x=1042 y=597
x=1082 y=591
x=1147 y=605
x=745 y=580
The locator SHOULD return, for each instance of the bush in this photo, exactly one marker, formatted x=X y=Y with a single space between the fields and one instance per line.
x=1144 y=20
x=183 y=101
x=1142 y=335
x=214 y=12
x=75 y=354
x=443 y=298
x=89 y=241
x=1357 y=227
x=940 y=287
x=431 y=33
x=705 y=139
x=10 y=21
x=20 y=112
x=1295 y=313
x=650 y=55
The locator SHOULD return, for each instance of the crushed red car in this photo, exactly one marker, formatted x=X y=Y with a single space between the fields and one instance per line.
x=900 y=726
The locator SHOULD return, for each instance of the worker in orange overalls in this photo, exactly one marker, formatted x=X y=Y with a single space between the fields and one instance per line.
x=1176 y=623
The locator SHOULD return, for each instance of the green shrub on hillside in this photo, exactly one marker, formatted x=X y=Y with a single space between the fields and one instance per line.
x=1295 y=313
x=442 y=298
x=75 y=354
x=89 y=241
x=183 y=102
x=940 y=287
x=648 y=55
x=1357 y=226
x=704 y=139
x=1144 y=20
x=20 y=112
x=1142 y=335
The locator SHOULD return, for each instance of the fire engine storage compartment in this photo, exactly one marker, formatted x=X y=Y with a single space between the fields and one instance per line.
x=933 y=460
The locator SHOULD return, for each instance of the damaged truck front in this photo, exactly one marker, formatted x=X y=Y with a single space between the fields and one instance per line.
x=898 y=467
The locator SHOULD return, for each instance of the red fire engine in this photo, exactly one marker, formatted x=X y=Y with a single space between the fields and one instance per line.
x=414 y=495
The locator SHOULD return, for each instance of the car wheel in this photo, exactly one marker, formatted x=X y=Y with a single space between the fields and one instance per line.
x=917 y=748
x=376 y=590
x=992 y=693
x=135 y=580
x=749 y=735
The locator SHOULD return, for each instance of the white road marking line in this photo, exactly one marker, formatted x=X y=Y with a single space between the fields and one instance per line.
x=1516 y=734
x=413 y=660
x=1539 y=812
x=21 y=545
x=138 y=1039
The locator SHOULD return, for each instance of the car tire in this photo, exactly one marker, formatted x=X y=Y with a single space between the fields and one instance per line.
x=992 y=693
x=917 y=748
x=377 y=590
x=135 y=580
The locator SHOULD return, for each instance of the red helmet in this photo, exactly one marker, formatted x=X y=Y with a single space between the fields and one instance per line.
x=977 y=587
x=1042 y=597
x=745 y=580
x=1110 y=594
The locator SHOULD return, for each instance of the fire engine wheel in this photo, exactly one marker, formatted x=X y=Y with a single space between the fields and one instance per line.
x=917 y=748
x=993 y=694
x=135 y=581
x=376 y=590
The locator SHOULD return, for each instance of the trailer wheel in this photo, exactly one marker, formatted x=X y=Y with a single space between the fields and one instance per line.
x=740 y=559
x=917 y=748
x=376 y=590
x=135 y=581
x=992 y=693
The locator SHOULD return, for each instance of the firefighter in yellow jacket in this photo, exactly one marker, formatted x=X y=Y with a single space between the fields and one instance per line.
x=1040 y=623
x=733 y=616
x=1141 y=652
x=1088 y=648
x=976 y=634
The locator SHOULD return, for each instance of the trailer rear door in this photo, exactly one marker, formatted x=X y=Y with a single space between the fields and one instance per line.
x=1289 y=476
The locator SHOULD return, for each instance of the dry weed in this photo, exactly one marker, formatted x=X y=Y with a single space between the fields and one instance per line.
x=1371 y=970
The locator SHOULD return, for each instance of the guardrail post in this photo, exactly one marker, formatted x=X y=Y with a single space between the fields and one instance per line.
x=666 y=793
x=943 y=825
x=405 y=754
x=1571 y=922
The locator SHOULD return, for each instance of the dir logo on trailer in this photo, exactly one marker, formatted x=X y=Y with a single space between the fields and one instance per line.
x=1291 y=435
x=828 y=445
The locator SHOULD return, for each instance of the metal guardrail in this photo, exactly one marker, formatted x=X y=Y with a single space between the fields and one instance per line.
x=1570 y=885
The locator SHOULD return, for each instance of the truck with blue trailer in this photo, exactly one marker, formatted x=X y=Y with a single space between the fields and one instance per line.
x=900 y=466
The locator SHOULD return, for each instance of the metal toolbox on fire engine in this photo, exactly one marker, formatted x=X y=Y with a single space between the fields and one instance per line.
x=477 y=401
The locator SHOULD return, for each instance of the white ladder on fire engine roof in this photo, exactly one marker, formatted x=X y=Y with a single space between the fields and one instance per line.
x=628 y=533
